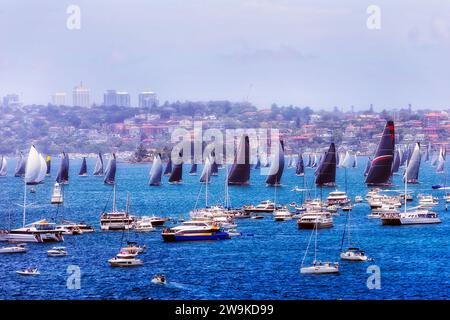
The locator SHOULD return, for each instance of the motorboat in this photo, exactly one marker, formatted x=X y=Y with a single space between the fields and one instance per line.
x=159 y=279
x=354 y=254
x=156 y=221
x=321 y=268
x=385 y=209
x=256 y=217
x=144 y=224
x=195 y=231
x=57 y=252
x=427 y=201
x=20 y=248
x=282 y=214
x=338 y=198
x=347 y=207
x=57 y=195
x=266 y=206
x=419 y=216
x=116 y=220
x=315 y=219
x=128 y=261
x=29 y=272
x=39 y=231
x=358 y=199
x=75 y=228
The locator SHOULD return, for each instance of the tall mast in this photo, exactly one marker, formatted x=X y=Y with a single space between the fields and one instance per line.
x=24 y=201
x=114 y=198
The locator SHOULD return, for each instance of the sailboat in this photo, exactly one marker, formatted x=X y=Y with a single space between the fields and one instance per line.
x=440 y=163
x=3 y=167
x=110 y=173
x=156 y=171
x=63 y=172
x=412 y=168
x=214 y=165
x=396 y=162
x=352 y=253
x=368 y=164
x=326 y=172
x=193 y=170
x=277 y=167
x=176 y=176
x=300 y=167
x=355 y=161
x=380 y=169
x=205 y=176
x=49 y=165
x=240 y=170
x=20 y=167
x=98 y=169
x=83 y=170
x=317 y=267
x=40 y=231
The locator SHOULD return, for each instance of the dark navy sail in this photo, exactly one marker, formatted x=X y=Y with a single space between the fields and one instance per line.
x=258 y=163
x=300 y=168
x=98 y=170
x=156 y=171
x=193 y=170
x=214 y=165
x=396 y=162
x=21 y=165
x=168 y=169
x=240 y=170
x=380 y=170
x=277 y=167
x=177 y=173
x=110 y=173
x=326 y=175
x=83 y=169
x=63 y=172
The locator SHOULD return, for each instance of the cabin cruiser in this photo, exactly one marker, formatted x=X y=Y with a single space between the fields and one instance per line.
x=265 y=206
x=57 y=252
x=40 y=231
x=57 y=196
x=118 y=220
x=29 y=272
x=420 y=216
x=144 y=224
x=313 y=219
x=195 y=231
x=74 y=228
x=321 y=268
x=337 y=197
x=354 y=254
x=427 y=201
x=20 y=248
x=128 y=261
x=282 y=214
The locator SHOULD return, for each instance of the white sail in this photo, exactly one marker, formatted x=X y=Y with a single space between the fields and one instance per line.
x=33 y=167
x=346 y=162
x=3 y=167
x=206 y=172
x=43 y=169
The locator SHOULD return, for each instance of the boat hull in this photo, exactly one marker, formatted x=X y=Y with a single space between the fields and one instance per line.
x=312 y=225
x=172 y=237
x=319 y=270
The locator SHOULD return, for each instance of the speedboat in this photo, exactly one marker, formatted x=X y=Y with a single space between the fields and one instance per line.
x=321 y=268
x=358 y=199
x=313 y=219
x=195 y=231
x=337 y=197
x=159 y=279
x=20 y=248
x=29 y=272
x=354 y=254
x=129 y=261
x=256 y=217
x=266 y=206
x=282 y=214
x=410 y=217
x=156 y=221
x=57 y=252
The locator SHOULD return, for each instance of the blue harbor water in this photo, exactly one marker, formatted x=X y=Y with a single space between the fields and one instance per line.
x=263 y=263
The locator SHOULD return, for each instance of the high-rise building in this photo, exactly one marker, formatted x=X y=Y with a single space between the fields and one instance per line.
x=59 y=99
x=148 y=100
x=116 y=98
x=11 y=100
x=81 y=96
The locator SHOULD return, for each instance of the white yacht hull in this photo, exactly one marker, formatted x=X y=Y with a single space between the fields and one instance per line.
x=319 y=270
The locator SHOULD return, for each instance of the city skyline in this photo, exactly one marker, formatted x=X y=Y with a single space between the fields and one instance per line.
x=286 y=52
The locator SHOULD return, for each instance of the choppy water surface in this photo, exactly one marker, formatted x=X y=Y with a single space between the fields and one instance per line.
x=262 y=264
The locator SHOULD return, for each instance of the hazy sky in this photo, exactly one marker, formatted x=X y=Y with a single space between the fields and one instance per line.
x=317 y=53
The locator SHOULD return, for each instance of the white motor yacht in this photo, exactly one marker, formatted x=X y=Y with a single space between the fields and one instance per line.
x=338 y=198
x=57 y=252
x=282 y=214
x=20 y=248
x=313 y=219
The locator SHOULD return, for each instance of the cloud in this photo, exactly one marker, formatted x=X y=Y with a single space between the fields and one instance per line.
x=282 y=53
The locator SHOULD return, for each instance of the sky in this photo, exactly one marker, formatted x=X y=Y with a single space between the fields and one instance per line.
x=307 y=52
